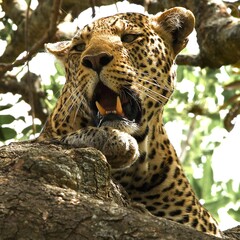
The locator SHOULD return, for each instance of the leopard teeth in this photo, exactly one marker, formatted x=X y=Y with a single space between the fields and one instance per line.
x=119 y=109
x=101 y=110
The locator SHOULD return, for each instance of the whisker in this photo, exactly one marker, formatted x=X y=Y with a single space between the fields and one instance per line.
x=78 y=107
x=153 y=98
x=158 y=95
x=71 y=94
x=76 y=99
x=155 y=83
x=148 y=79
x=81 y=102
x=145 y=93
x=132 y=96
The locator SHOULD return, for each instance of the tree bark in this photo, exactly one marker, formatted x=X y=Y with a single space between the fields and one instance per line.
x=55 y=192
x=218 y=33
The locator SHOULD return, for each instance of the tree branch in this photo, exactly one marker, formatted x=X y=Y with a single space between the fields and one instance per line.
x=190 y=60
x=11 y=84
x=14 y=10
x=218 y=33
x=37 y=34
x=54 y=192
x=215 y=28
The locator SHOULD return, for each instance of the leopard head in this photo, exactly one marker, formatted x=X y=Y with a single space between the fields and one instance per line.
x=119 y=69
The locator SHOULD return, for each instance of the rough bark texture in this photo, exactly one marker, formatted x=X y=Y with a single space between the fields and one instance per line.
x=53 y=192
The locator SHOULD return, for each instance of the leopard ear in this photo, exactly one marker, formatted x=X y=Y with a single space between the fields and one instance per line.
x=174 y=24
x=58 y=49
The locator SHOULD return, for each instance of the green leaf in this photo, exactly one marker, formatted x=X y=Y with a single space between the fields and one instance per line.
x=60 y=68
x=21 y=118
x=7 y=133
x=197 y=188
x=6 y=119
x=29 y=130
x=5 y=107
x=207 y=180
x=234 y=214
x=220 y=202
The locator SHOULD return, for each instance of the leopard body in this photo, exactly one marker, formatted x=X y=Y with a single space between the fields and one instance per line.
x=129 y=56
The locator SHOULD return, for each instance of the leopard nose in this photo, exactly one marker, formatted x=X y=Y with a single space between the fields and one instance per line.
x=97 y=62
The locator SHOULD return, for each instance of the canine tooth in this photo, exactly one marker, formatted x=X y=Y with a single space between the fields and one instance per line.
x=101 y=110
x=119 y=106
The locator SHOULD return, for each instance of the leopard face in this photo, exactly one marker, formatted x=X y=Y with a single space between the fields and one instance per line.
x=119 y=75
x=122 y=73
x=122 y=66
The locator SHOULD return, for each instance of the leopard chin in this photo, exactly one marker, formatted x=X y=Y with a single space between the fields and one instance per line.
x=114 y=121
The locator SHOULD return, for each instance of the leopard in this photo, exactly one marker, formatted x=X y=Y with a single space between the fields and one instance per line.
x=120 y=72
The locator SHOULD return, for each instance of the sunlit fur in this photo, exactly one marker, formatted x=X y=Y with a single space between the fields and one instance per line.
x=142 y=51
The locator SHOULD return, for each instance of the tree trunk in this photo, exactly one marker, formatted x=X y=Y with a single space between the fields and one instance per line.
x=55 y=192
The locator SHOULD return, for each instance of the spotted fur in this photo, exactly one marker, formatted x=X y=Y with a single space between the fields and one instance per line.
x=129 y=55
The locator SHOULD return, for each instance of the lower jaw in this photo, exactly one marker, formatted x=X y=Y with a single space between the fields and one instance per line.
x=122 y=125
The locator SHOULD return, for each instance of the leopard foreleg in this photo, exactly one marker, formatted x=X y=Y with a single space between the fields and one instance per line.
x=120 y=148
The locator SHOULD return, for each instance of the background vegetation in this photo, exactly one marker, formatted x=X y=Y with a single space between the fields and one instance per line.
x=202 y=115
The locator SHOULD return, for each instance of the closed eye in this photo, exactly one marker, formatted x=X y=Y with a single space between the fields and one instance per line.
x=128 y=38
x=79 y=47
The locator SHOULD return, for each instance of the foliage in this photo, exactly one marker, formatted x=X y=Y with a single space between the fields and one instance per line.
x=6 y=132
x=16 y=122
x=232 y=96
x=201 y=103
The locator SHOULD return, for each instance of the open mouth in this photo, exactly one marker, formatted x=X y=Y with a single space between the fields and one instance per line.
x=109 y=106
